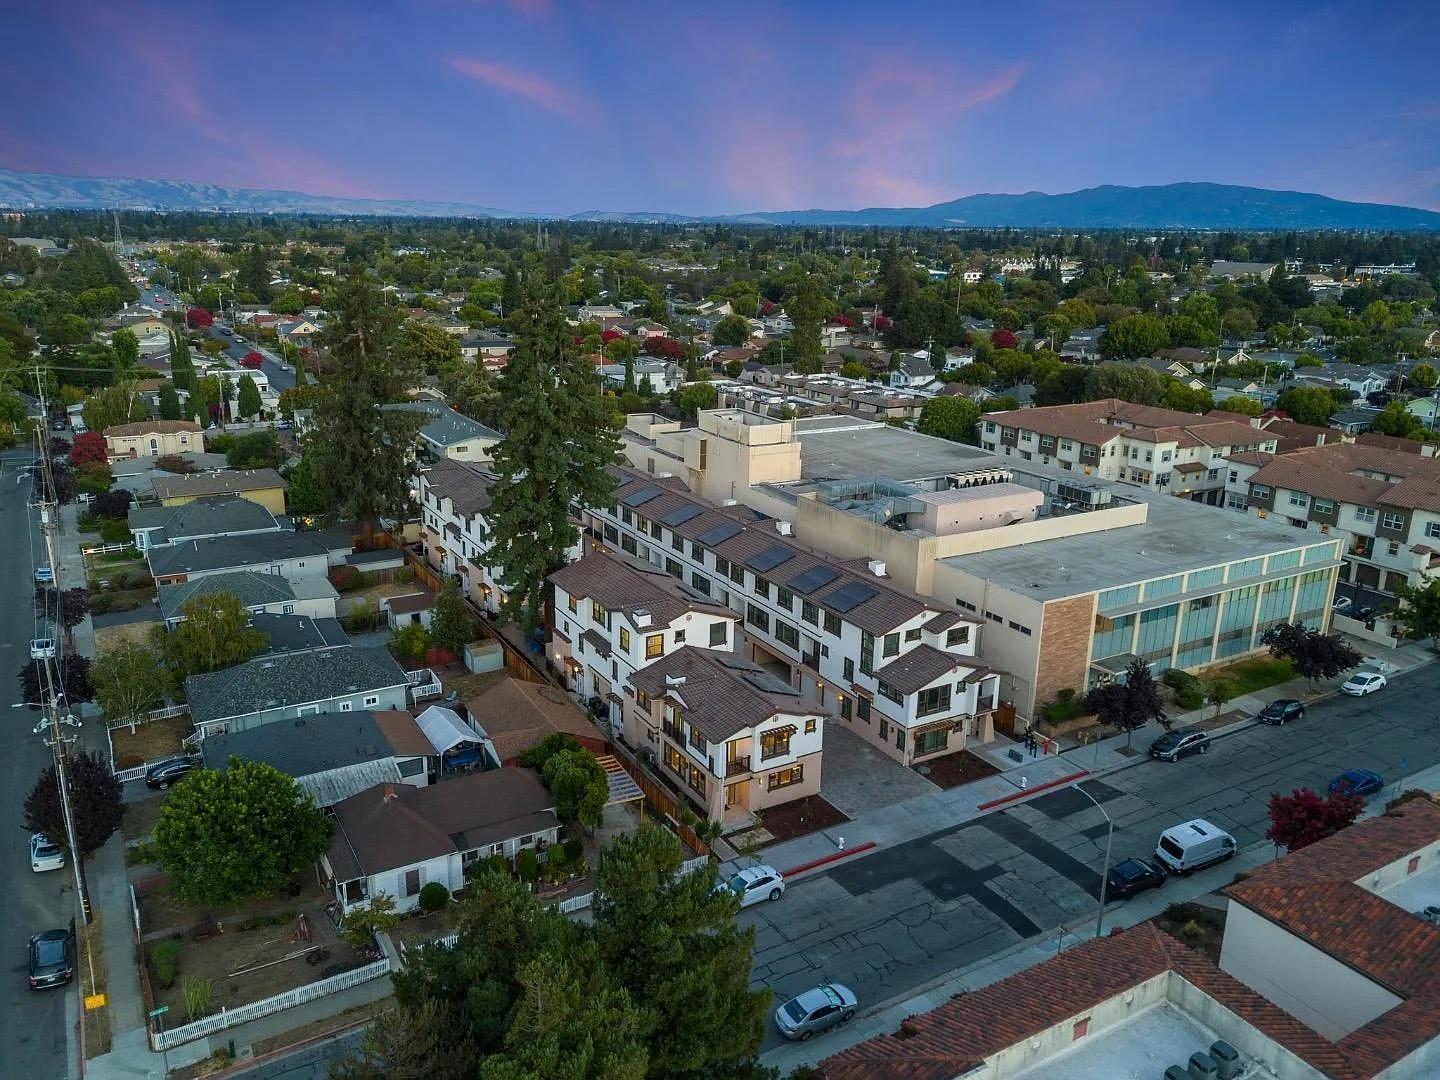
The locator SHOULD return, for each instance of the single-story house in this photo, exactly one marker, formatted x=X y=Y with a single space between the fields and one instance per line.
x=200 y=519
x=519 y=715
x=291 y=555
x=393 y=840
x=155 y=438
x=257 y=592
x=331 y=755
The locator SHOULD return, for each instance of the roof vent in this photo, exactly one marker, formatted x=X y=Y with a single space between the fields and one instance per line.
x=784 y=528
x=675 y=680
x=877 y=567
x=728 y=502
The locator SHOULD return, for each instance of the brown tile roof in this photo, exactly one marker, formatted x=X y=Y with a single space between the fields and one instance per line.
x=1098 y=422
x=1415 y=493
x=1358 y=473
x=918 y=668
x=1251 y=457
x=723 y=694
x=1389 y=442
x=1285 y=471
x=518 y=715
x=152 y=427
x=403 y=733
x=466 y=485
x=1293 y=436
x=393 y=825
x=217 y=483
x=620 y=585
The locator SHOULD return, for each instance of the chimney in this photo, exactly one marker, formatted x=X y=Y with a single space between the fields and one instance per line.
x=389 y=792
x=784 y=528
x=877 y=567
x=642 y=617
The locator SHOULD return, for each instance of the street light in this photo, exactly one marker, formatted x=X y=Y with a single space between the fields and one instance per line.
x=1105 y=871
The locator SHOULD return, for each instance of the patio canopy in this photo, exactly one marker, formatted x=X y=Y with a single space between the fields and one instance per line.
x=445 y=729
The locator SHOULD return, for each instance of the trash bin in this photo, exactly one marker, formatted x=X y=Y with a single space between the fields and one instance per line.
x=1227 y=1059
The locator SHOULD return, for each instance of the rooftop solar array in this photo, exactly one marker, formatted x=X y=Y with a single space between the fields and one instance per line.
x=812 y=579
x=719 y=533
x=681 y=515
x=644 y=495
x=770 y=558
x=857 y=592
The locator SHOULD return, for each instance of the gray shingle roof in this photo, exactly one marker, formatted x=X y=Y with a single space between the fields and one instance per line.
x=232 y=552
x=214 y=515
x=723 y=693
x=272 y=682
x=217 y=483
x=252 y=589
x=444 y=426
x=296 y=633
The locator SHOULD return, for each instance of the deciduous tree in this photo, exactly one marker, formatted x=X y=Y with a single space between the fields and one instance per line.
x=1130 y=704
x=1134 y=336
x=1301 y=818
x=252 y=360
x=1316 y=655
x=88 y=446
x=215 y=633
x=453 y=627
x=95 y=802
x=74 y=676
x=129 y=681
x=578 y=784
x=953 y=418
x=731 y=331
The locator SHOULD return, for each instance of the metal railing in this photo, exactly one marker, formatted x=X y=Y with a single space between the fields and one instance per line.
x=227 y=1018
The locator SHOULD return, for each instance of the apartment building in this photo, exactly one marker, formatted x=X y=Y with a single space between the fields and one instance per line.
x=1382 y=505
x=613 y=617
x=868 y=399
x=1162 y=450
x=899 y=670
x=453 y=497
x=735 y=737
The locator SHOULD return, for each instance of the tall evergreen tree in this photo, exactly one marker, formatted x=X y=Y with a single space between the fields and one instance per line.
x=559 y=438
x=169 y=402
x=807 y=312
x=182 y=368
x=248 y=403
x=358 y=453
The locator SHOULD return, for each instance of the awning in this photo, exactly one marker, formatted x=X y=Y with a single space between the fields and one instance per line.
x=444 y=729
x=950 y=722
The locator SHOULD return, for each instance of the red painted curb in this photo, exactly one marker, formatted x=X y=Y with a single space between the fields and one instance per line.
x=1031 y=791
x=824 y=860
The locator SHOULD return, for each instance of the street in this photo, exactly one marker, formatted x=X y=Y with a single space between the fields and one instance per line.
x=282 y=377
x=902 y=916
x=38 y=1027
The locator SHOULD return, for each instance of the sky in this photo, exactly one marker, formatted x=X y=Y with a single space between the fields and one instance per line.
x=561 y=106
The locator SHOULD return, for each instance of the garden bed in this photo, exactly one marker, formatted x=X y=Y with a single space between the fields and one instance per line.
x=952 y=770
x=1200 y=927
x=800 y=818
x=150 y=741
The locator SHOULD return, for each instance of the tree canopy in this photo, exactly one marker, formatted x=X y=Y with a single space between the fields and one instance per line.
x=1128 y=704
x=1301 y=818
x=1315 y=654
x=95 y=802
x=954 y=418
x=215 y=633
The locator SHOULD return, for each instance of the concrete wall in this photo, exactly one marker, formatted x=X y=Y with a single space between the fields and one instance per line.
x=990 y=506
x=1253 y=1044
x=1307 y=983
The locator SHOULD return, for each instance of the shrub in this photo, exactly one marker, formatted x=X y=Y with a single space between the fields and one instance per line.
x=344 y=578
x=174 y=463
x=574 y=849
x=199 y=993
x=1191 y=932
x=1062 y=709
x=434 y=897
x=165 y=962
x=101 y=603
x=527 y=865
x=114 y=531
x=1189 y=691
x=87 y=522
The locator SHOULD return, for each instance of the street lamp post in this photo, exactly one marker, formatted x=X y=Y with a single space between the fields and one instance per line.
x=1105 y=870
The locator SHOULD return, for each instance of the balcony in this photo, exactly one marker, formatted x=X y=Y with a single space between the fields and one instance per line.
x=737 y=766
x=674 y=732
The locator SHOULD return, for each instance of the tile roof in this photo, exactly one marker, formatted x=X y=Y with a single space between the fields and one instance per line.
x=723 y=694
x=271 y=682
x=1363 y=474
x=152 y=427
x=518 y=715
x=390 y=826
x=467 y=486
x=222 y=482
x=620 y=585
x=918 y=668
x=1098 y=422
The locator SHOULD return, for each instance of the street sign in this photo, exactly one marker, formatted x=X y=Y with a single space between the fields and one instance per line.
x=161 y=1011
x=95 y=1001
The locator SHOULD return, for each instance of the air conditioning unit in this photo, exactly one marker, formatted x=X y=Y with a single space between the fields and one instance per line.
x=784 y=528
x=877 y=567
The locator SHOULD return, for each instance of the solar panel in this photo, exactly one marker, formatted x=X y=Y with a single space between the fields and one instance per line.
x=644 y=495
x=718 y=533
x=857 y=592
x=813 y=579
x=770 y=558
x=681 y=515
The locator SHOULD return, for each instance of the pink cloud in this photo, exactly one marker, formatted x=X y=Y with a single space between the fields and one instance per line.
x=533 y=88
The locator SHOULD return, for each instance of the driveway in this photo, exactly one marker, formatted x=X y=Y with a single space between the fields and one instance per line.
x=857 y=777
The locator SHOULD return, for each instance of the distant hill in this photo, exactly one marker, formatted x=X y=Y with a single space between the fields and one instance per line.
x=1172 y=206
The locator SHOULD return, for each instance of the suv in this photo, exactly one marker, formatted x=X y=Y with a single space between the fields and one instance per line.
x=755 y=883
x=1281 y=712
x=52 y=959
x=1133 y=876
x=164 y=773
x=1174 y=745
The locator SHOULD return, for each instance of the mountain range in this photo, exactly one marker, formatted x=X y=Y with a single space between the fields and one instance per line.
x=1111 y=206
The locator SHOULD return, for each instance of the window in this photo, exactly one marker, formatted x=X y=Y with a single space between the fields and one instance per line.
x=899 y=737
x=1080 y=1030
x=1300 y=499
x=287 y=609
x=674 y=569
x=654 y=646
x=867 y=652
x=785 y=598
x=627 y=544
x=775 y=743
x=892 y=644
x=599 y=614
x=412 y=882
x=1432 y=529
x=1260 y=491
x=762 y=587
x=1365 y=514
x=655 y=530
x=809 y=613
x=625 y=516
x=574 y=605
x=345 y=706
x=832 y=624
x=624 y=640
x=1392 y=520
x=371 y=700
x=757 y=617
x=810 y=726
x=931 y=741
x=722 y=566
x=957 y=635
x=677 y=542
x=1394 y=548
x=1234 y=476
x=1020 y=627
x=1066 y=444
x=737 y=574
x=912 y=635
x=700 y=583
x=934 y=700
x=642 y=701
x=845 y=708
x=1324 y=506
x=782 y=778
x=849 y=668
x=890 y=693
x=862 y=709
x=787 y=634
x=719 y=634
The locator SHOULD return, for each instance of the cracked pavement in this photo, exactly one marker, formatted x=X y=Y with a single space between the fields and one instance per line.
x=904 y=915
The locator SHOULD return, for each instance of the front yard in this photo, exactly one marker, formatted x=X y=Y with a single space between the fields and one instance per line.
x=150 y=741
x=952 y=770
x=1253 y=674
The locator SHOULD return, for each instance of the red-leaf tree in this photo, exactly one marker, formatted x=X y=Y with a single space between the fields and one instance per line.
x=89 y=446
x=669 y=348
x=1301 y=818
x=199 y=318
x=610 y=335
x=766 y=306
x=1004 y=339
x=251 y=360
x=883 y=322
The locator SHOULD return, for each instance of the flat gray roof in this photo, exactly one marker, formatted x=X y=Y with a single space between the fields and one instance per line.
x=1178 y=535
x=846 y=448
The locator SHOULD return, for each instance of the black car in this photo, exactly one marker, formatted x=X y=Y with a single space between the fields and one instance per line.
x=1133 y=876
x=1174 y=745
x=1281 y=712
x=164 y=773
x=52 y=959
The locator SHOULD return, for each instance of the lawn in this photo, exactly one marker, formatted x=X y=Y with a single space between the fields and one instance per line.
x=138 y=633
x=1254 y=674
x=151 y=741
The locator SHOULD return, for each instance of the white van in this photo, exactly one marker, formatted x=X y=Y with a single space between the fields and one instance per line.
x=1193 y=846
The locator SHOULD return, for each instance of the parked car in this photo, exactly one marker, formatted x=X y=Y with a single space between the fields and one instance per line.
x=1281 y=712
x=57 y=425
x=52 y=959
x=1133 y=876
x=164 y=773
x=1356 y=782
x=42 y=648
x=44 y=575
x=1192 y=846
x=755 y=883
x=1362 y=683
x=1174 y=745
x=1342 y=604
x=45 y=854
x=815 y=1011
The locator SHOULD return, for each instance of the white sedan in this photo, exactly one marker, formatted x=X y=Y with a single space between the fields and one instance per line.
x=1362 y=683
x=45 y=854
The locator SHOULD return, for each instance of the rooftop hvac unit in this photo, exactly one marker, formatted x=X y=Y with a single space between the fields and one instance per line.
x=1227 y=1060
x=1177 y=1072
x=1203 y=1067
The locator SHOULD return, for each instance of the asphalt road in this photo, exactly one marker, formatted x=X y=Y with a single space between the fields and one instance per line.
x=891 y=921
x=309 y=1063
x=282 y=377
x=35 y=1033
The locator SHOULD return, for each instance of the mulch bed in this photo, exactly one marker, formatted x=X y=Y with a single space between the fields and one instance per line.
x=800 y=818
x=952 y=770
x=1200 y=927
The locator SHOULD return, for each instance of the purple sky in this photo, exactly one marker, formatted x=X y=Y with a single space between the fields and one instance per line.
x=715 y=108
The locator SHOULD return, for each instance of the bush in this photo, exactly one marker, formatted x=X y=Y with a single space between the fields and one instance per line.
x=114 y=531
x=87 y=522
x=165 y=962
x=434 y=897
x=574 y=849
x=1062 y=709
x=101 y=603
x=527 y=865
x=1189 y=691
x=174 y=463
x=344 y=578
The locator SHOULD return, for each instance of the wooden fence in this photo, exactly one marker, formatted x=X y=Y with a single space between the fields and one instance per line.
x=658 y=797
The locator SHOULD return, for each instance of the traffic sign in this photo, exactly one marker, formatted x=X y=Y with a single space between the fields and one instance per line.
x=161 y=1011
x=95 y=1001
